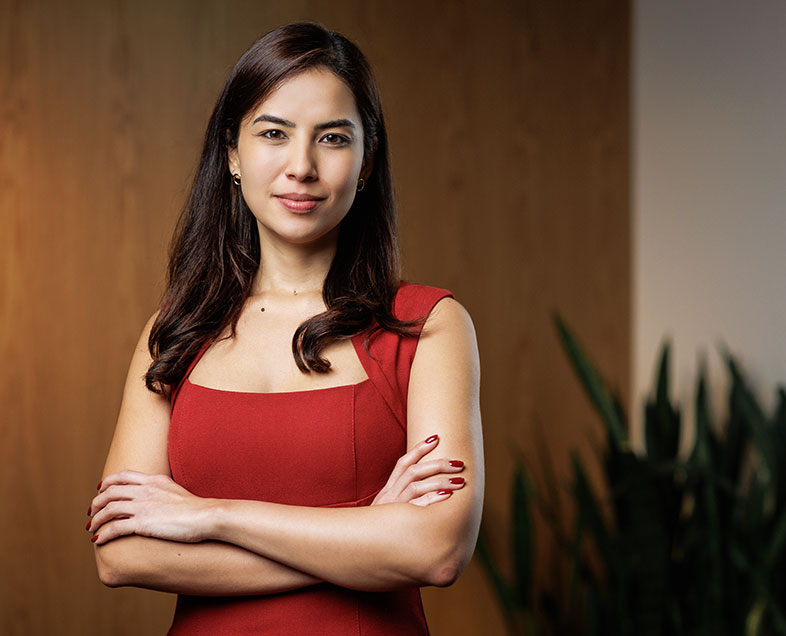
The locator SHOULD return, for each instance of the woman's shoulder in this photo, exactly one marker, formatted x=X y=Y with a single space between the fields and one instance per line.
x=408 y=288
x=447 y=332
x=449 y=335
x=438 y=307
x=413 y=300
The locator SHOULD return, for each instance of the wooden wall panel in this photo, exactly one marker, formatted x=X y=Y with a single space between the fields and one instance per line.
x=509 y=131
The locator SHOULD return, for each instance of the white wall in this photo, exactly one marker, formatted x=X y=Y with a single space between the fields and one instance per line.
x=709 y=188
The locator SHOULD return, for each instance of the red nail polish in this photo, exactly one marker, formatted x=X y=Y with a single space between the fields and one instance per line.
x=456 y=463
x=99 y=485
x=89 y=508
x=444 y=492
x=431 y=439
x=87 y=527
x=93 y=540
x=456 y=480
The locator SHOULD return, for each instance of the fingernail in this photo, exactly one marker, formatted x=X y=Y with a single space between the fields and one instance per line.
x=99 y=485
x=93 y=540
x=89 y=509
x=444 y=492
x=456 y=463
x=432 y=439
x=456 y=480
x=87 y=527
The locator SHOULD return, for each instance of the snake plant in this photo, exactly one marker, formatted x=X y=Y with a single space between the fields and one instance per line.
x=678 y=545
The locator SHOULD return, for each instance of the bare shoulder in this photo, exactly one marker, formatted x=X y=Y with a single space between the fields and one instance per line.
x=448 y=314
x=141 y=359
x=448 y=337
x=444 y=399
x=140 y=437
x=445 y=374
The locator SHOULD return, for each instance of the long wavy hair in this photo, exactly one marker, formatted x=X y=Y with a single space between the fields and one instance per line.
x=215 y=251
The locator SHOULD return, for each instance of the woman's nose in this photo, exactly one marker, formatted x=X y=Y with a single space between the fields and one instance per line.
x=302 y=163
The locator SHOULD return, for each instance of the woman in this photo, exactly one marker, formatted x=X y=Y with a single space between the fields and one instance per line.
x=298 y=448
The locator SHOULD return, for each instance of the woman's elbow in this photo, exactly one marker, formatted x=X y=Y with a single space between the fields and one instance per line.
x=447 y=548
x=107 y=574
x=111 y=565
x=448 y=565
x=443 y=575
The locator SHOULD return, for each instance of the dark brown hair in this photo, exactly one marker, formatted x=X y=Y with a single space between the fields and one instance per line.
x=215 y=251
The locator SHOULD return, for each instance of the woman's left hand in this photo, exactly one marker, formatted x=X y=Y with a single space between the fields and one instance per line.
x=130 y=502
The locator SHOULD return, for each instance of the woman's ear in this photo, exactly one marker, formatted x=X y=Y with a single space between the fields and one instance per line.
x=368 y=161
x=231 y=146
x=232 y=161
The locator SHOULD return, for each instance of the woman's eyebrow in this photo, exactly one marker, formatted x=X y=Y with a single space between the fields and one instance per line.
x=335 y=123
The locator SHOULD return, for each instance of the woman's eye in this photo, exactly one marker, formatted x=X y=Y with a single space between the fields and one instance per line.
x=272 y=134
x=335 y=139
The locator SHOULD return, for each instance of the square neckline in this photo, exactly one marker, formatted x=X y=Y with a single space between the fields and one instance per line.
x=295 y=392
x=358 y=348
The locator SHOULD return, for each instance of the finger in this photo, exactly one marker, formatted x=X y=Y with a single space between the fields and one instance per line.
x=432 y=497
x=413 y=456
x=435 y=484
x=422 y=470
x=113 y=510
x=118 y=528
x=113 y=493
x=124 y=477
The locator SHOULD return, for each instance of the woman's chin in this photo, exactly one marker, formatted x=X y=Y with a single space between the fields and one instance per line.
x=297 y=234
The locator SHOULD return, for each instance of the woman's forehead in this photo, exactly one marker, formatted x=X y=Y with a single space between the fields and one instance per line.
x=313 y=96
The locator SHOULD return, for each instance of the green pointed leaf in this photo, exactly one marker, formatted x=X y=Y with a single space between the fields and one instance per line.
x=754 y=618
x=662 y=388
x=744 y=402
x=708 y=515
x=662 y=420
x=522 y=537
x=593 y=384
x=503 y=591
x=592 y=515
x=550 y=505
x=777 y=541
x=779 y=420
x=576 y=563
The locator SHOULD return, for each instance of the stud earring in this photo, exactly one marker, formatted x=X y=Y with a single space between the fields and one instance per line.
x=361 y=184
x=236 y=178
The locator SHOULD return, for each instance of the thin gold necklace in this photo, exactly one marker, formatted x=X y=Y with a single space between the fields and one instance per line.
x=294 y=293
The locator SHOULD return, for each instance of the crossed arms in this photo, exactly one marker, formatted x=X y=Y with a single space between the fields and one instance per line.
x=420 y=530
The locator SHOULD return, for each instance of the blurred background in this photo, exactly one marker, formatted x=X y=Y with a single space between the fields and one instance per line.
x=618 y=162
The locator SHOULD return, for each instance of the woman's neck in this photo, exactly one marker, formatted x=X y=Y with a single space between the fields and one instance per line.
x=293 y=269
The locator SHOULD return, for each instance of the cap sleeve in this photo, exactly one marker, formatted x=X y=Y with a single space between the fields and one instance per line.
x=389 y=357
x=173 y=395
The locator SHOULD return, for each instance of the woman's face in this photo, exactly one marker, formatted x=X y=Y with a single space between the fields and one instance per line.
x=299 y=156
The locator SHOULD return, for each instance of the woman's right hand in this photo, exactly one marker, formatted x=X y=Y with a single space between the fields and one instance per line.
x=421 y=483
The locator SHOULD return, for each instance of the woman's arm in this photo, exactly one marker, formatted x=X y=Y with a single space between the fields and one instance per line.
x=209 y=568
x=140 y=443
x=212 y=567
x=378 y=547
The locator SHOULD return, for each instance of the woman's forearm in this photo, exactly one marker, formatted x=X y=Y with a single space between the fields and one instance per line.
x=151 y=532
x=209 y=568
x=369 y=548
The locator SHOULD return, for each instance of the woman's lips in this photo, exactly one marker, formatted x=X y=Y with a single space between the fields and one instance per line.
x=298 y=205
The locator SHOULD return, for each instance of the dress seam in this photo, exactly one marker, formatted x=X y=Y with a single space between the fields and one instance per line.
x=354 y=443
x=173 y=439
x=378 y=377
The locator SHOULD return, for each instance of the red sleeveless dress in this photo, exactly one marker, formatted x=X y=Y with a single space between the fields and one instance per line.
x=323 y=447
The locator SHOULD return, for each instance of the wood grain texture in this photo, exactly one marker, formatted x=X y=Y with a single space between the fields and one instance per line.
x=509 y=132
